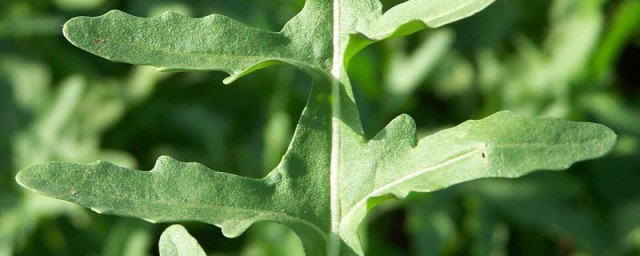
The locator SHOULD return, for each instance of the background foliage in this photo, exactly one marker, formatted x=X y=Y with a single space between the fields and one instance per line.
x=573 y=59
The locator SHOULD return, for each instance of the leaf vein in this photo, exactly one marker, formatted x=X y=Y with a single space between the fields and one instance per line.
x=377 y=192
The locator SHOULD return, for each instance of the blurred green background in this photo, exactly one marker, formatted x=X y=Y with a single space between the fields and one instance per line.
x=572 y=59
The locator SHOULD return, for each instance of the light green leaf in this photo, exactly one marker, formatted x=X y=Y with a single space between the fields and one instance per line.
x=216 y=42
x=174 y=42
x=176 y=241
x=331 y=174
x=410 y=16
x=297 y=193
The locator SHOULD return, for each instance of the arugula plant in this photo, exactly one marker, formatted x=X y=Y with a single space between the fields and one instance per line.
x=331 y=174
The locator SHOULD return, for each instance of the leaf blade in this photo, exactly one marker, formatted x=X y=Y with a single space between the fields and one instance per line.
x=411 y=16
x=328 y=142
x=176 y=241
x=171 y=191
x=175 y=42
x=501 y=145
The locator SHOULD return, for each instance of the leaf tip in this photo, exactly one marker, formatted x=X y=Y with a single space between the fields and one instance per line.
x=232 y=229
x=230 y=79
x=609 y=138
x=176 y=240
x=21 y=178
x=153 y=221
x=74 y=24
x=98 y=210
x=30 y=178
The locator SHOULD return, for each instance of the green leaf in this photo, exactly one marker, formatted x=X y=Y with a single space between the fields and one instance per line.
x=331 y=174
x=410 y=16
x=297 y=193
x=176 y=241
x=174 y=42
x=216 y=42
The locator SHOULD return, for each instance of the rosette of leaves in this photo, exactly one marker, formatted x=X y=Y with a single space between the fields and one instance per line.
x=331 y=174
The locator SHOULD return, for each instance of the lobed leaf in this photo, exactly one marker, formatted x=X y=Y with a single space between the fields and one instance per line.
x=216 y=42
x=331 y=174
x=175 y=42
x=392 y=163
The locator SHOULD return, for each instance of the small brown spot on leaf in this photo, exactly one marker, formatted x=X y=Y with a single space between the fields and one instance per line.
x=97 y=44
x=97 y=41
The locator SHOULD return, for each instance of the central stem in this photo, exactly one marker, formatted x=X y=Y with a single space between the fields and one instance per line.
x=336 y=72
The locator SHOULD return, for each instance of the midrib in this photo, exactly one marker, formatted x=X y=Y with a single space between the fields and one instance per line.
x=336 y=71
